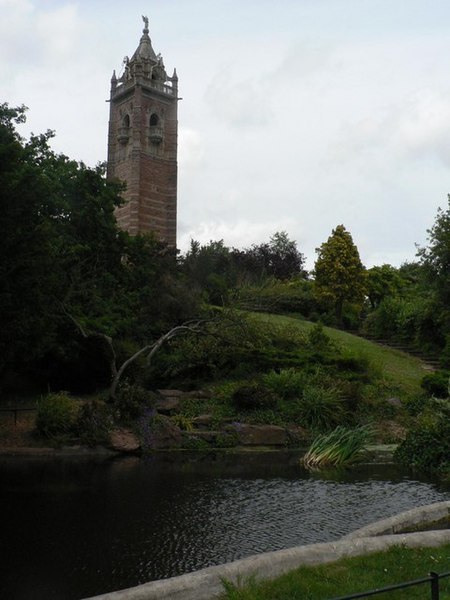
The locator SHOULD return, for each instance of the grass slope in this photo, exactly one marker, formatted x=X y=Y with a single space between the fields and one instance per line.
x=400 y=368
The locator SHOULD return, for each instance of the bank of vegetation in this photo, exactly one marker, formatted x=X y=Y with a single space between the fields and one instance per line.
x=94 y=321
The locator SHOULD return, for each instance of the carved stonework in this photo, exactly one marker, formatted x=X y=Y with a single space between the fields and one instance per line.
x=142 y=143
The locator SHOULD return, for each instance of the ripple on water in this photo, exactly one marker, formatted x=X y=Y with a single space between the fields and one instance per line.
x=130 y=522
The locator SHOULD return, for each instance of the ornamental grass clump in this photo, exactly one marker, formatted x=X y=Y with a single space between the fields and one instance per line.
x=340 y=447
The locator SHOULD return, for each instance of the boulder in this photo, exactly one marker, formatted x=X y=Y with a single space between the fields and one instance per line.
x=298 y=436
x=199 y=394
x=260 y=435
x=124 y=440
x=168 y=405
x=394 y=402
x=162 y=434
x=168 y=401
x=170 y=393
x=202 y=421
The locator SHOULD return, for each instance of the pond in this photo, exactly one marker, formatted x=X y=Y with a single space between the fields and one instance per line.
x=76 y=527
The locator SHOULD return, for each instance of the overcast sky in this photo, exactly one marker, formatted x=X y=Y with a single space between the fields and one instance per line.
x=297 y=115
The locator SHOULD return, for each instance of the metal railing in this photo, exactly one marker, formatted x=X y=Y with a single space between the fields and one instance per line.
x=433 y=579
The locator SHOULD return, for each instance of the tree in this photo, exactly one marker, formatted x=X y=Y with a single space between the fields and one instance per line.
x=63 y=254
x=279 y=259
x=382 y=281
x=435 y=258
x=26 y=268
x=210 y=267
x=339 y=274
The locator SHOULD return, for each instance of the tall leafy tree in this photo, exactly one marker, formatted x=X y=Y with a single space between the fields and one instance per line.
x=382 y=282
x=69 y=278
x=27 y=277
x=435 y=257
x=339 y=273
x=279 y=258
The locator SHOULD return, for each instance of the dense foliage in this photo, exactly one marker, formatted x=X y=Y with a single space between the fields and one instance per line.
x=69 y=277
x=219 y=271
x=427 y=445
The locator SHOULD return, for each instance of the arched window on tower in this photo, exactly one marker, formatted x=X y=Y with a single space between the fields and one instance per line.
x=155 y=129
x=124 y=130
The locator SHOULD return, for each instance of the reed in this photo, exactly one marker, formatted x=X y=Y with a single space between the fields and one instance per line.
x=340 y=447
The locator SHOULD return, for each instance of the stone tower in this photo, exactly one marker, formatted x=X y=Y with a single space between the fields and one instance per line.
x=142 y=143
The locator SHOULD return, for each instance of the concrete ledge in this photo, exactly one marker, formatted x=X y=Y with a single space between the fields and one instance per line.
x=206 y=584
x=431 y=515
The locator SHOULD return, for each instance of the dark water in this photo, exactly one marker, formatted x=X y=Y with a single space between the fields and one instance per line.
x=73 y=528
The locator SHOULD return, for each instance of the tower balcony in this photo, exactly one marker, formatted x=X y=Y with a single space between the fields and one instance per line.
x=155 y=134
x=123 y=135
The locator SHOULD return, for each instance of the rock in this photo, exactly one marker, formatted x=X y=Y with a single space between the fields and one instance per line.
x=395 y=402
x=170 y=393
x=198 y=394
x=162 y=433
x=168 y=405
x=208 y=436
x=298 y=436
x=124 y=440
x=202 y=421
x=260 y=435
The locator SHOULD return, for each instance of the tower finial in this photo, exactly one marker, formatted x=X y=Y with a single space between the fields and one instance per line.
x=145 y=19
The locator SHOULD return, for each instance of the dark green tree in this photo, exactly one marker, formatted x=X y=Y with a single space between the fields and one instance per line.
x=382 y=282
x=70 y=280
x=27 y=276
x=435 y=257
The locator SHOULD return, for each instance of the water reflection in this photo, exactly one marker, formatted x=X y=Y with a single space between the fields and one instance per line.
x=72 y=528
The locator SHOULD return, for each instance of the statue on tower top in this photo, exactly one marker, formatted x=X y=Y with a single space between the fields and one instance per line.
x=145 y=19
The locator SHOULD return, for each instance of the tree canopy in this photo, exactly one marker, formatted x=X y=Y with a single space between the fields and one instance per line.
x=339 y=273
x=65 y=262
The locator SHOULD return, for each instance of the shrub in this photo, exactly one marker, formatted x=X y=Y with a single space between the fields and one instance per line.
x=254 y=397
x=287 y=383
x=427 y=446
x=94 y=423
x=320 y=409
x=57 y=414
x=183 y=422
x=356 y=364
x=436 y=384
x=318 y=339
x=416 y=405
x=130 y=401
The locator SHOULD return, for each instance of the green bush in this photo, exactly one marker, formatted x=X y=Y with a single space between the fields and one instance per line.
x=254 y=397
x=94 y=423
x=318 y=339
x=287 y=383
x=131 y=399
x=436 y=384
x=57 y=414
x=427 y=446
x=416 y=405
x=320 y=408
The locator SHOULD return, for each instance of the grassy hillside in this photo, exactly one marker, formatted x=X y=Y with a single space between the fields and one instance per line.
x=400 y=370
